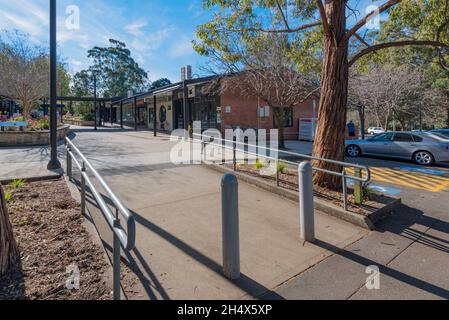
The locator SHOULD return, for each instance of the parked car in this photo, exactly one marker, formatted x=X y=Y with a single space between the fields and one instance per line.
x=443 y=133
x=375 y=130
x=424 y=149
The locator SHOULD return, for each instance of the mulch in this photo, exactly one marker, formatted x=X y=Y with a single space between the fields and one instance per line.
x=48 y=228
x=289 y=180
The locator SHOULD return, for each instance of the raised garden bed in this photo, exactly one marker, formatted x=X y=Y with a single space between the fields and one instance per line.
x=48 y=228
x=30 y=138
x=375 y=207
x=80 y=123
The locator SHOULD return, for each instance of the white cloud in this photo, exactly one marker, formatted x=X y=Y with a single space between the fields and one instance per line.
x=135 y=28
x=181 y=47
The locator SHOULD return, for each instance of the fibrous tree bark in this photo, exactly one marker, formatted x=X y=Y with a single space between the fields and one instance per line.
x=9 y=252
x=334 y=93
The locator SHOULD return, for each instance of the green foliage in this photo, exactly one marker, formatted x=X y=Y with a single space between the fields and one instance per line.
x=17 y=183
x=117 y=72
x=260 y=164
x=366 y=193
x=17 y=119
x=39 y=125
x=7 y=196
x=88 y=117
x=282 y=167
x=160 y=83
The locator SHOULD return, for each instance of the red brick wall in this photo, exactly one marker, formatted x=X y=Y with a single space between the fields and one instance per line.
x=244 y=113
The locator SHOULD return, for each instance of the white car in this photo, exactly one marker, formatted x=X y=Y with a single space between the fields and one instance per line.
x=375 y=130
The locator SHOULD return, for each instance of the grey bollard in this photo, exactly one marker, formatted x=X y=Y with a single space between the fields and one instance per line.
x=306 y=202
x=230 y=224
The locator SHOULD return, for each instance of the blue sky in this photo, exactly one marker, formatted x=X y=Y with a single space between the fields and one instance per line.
x=158 y=32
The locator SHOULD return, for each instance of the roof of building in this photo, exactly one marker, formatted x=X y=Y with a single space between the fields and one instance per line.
x=169 y=87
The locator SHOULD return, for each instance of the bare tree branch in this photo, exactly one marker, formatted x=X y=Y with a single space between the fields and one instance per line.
x=370 y=16
x=282 y=14
x=300 y=28
x=323 y=15
x=381 y=46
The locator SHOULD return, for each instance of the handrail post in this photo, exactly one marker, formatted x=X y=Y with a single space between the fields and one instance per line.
x=230 y=225
x=83 y=190
x=203 y=153
x=277 y=169
x=345 y=190
x=234 y=152
x=69 y=163
x=116 y=263
x=223 y=152
x=306 y=202
x=246 y=150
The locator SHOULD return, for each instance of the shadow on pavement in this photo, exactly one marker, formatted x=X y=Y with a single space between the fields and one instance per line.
x=146 y=276
x=400 y=224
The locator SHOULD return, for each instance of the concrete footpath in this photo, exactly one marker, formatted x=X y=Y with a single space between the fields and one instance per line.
x=178 y=213
x=26 y=163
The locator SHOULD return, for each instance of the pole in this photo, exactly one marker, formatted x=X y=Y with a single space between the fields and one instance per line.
x=230 y=220
x=135 y=113
x=121 y=114
x=54 y=163
x=69 y=163
x=95 y=101
x=306 y=202
x=116 y=264
x=155 y=115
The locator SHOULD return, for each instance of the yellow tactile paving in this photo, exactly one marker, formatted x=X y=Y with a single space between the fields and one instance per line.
x=409 y=179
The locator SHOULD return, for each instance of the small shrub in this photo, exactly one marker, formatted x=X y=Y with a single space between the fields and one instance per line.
x=7 y=196
x=282 y=167
x=366 y=193
x=18 y=183
x=260 y=164
x=88 y=117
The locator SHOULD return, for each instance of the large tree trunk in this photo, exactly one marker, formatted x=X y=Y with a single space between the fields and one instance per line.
x=9 y=252
x=330 y=137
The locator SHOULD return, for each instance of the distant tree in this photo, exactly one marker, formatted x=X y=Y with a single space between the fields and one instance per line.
x=162 y=82
x=9 y=252
x=24 y=71
x=395 y=95
x=117 y=72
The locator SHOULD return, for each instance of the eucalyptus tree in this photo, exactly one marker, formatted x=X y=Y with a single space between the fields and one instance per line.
x=331 y=30
x=116 y=70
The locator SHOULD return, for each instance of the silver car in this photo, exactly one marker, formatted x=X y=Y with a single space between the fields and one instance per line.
x=423 y=148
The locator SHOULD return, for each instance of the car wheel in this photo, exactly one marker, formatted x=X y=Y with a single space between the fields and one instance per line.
x=353 y=151
x=424 y=158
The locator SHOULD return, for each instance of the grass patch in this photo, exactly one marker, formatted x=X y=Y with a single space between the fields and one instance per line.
x=17 y=183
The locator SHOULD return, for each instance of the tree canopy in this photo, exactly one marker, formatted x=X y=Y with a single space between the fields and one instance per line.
x=162 y=82
x=116 y=71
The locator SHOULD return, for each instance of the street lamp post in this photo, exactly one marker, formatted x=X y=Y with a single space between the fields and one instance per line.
x=54 y=163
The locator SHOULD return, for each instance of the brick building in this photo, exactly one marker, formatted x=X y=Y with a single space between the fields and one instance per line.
x=178 y=105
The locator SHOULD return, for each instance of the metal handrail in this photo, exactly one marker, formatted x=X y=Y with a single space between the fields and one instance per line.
x=343 y=164
x=364 y=178
x=126 y=239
